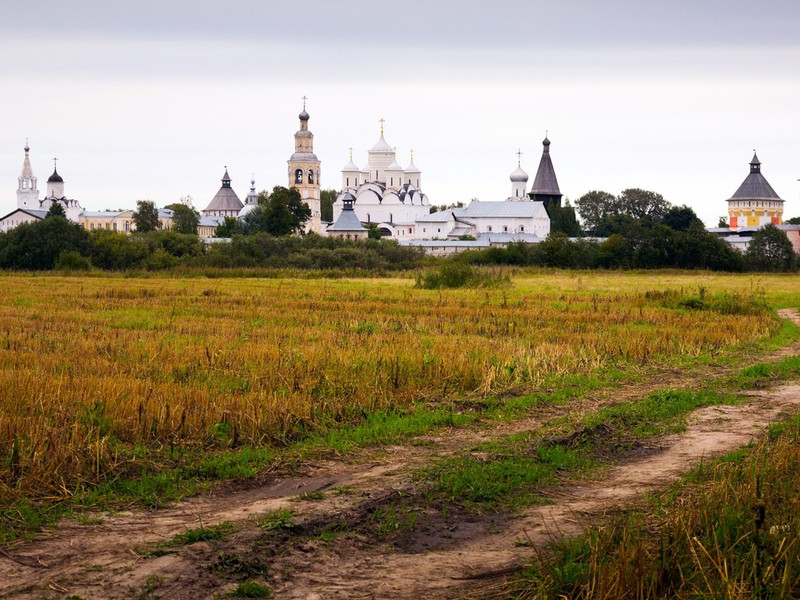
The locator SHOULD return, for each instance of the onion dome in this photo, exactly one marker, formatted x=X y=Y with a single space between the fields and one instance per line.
x=412 y=168
x=382 y=146
x=55 y=177
x=519 y=176
x=304 y=115
x=351 y=166
x=395 y=166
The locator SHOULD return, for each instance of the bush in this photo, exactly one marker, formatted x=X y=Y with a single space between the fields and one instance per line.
x=70 y=260
x=454 y=274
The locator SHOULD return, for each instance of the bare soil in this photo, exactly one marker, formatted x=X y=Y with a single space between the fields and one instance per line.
x=444 y=557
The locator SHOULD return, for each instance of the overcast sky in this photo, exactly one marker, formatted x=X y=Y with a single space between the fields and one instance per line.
x=152 y=99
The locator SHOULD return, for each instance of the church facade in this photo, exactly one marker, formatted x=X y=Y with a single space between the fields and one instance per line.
x=384 y=192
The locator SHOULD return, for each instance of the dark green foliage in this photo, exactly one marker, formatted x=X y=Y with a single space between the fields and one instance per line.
x=792 y=221
x=56 y=210
x=373 y=233
x=326 y=200
x=770 y=250
x=185 y=219
x=145 y=217
x=38 y=245
x=680 y=218
x=229 y=227
x=562 y=219
x=458 y=274
x=595 y=207
x=723 y=222
x=71 y=260
x=310 y=252
x=155 y=250
x=281 y=212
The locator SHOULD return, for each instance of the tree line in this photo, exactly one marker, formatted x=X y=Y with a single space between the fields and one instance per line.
x=634 y=230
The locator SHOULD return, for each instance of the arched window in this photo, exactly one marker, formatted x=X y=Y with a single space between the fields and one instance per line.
x=310 y=176
x=368 y=219
x=298 y=176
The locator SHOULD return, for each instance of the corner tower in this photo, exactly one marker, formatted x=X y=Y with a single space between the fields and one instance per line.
x=27 y=192
x=304 y=170
x=755 y=203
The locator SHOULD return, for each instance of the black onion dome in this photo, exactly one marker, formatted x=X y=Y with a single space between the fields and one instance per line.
x=55 y=177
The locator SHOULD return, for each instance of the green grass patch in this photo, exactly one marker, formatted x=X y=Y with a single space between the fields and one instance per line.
x=250 y=589
x=729 y=529
x=217 y=533
x=515 y=471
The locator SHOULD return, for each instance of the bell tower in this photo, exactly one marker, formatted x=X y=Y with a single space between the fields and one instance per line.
x=304 y=170
x=27 y=192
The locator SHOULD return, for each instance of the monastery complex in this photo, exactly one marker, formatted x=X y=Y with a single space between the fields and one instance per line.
x=386 y=195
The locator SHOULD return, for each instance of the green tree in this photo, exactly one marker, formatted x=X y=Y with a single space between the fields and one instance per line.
x=37 y=245
x=723 y=222
x=640 y=203
x=326 y=200
x=281 y=212
x=229 y=227
x=793 y=221
x=145 y=217
x=562 y=218
x=770 y=250
x=594 y=206
x=373 y=232
x=56 y=210
x=185 y=219
x=679 y=218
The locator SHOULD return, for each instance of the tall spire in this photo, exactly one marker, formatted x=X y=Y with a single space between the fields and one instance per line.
x=545 y=184
x=27 y=192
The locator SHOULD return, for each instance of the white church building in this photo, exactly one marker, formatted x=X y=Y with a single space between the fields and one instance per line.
x=30 y=207
x=388 y=195
x=385 y=192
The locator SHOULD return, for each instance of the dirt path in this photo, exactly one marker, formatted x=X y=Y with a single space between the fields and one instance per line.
x=104 y=560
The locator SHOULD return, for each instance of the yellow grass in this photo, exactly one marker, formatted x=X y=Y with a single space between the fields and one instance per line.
x=90 y=367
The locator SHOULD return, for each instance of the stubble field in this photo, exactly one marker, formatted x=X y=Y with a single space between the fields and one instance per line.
x=103 y=378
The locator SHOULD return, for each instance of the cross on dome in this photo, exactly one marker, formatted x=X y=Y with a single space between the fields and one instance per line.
x=304 y=98
x=519 y=157
x=382 y=122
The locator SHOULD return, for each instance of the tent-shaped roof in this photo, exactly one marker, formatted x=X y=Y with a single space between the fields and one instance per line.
x=226 y=198
x=755 y=186
x=545 y=182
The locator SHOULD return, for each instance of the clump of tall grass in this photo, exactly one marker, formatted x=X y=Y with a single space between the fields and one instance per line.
x=455 y=274
x=733 y=531
x=752 y=302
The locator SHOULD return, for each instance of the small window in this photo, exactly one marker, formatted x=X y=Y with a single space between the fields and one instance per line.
x=489 y=229
x=115 y=225
x=311 y=176
x=505 y=227
x=348 y=182
x=522 y=227
x=298 y=176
